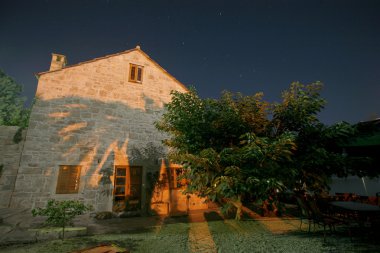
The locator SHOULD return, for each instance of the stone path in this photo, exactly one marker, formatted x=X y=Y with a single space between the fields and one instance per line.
x=200 y=238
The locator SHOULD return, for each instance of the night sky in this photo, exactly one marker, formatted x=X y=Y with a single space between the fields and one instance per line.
x=245 y=46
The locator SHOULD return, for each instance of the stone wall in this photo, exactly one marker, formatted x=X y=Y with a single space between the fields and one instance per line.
x=91 y=115
x=9 y=158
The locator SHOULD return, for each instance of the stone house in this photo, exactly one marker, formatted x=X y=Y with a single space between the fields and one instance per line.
x=91 y=137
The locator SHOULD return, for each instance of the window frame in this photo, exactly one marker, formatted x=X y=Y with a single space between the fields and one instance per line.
x=135 y=73
x=62 y=183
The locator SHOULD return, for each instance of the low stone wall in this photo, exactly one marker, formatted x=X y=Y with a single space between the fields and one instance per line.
x=54 y=233
x=9 y=159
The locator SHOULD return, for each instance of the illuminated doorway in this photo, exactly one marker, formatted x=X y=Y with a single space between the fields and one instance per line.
x=127 y=190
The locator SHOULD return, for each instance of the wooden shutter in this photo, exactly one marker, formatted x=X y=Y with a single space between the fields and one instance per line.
x=133 y=73
x=68 y=179
x=139 y=74
x=120 y=183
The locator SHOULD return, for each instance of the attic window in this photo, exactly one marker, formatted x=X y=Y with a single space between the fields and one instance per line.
x=135 y=73
x=59 y=58
x=68 y=179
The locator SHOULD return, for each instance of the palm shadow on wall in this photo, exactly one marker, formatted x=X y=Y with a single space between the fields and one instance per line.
x=97 y=135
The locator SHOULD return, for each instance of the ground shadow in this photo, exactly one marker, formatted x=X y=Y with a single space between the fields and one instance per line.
x=213 y=216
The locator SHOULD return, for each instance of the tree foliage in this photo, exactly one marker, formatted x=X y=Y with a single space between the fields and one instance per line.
x=299 y=108
x=318 y=155
x=196 y=124
x=238 y=148
x=12 y=110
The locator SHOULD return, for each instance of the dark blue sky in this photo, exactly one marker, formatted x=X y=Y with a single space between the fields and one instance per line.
x=245 y=46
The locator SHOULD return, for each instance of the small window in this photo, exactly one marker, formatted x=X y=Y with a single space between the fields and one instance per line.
x=135 y=73
x=68 y=179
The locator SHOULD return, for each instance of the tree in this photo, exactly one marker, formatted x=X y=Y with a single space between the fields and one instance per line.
x=225 y=148
x=240 y=148
x=61 y=213
x=12 y=110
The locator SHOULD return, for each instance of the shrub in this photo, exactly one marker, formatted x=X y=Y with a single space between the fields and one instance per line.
x=61 y=213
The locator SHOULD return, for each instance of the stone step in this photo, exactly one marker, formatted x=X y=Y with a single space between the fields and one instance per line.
x=9 y=212
x=53 y=233
x=10 y=235
x=16 y=217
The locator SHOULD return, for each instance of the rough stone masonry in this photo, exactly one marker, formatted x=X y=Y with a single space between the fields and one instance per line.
x=92 y=115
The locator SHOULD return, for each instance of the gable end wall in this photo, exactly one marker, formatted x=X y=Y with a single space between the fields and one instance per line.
x=90 y=115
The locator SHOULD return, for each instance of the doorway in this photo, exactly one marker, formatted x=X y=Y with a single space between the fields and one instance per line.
x=127 y=190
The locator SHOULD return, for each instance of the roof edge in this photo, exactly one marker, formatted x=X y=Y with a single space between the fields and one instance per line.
x=85 y=62
x=112 y=55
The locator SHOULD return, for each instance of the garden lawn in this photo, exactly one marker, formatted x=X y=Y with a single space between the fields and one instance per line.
x=273 y=235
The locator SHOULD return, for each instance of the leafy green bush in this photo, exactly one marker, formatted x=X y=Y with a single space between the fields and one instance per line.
x=61 y=213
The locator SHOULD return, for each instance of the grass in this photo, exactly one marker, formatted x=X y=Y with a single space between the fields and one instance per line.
x=276 y=235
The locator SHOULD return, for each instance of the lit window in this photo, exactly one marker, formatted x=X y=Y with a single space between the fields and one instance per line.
x=135 y=73
x=176 y=178
x=68 y=179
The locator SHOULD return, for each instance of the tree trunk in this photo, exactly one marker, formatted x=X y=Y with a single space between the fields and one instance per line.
x=240 y=209
x=237 y=203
